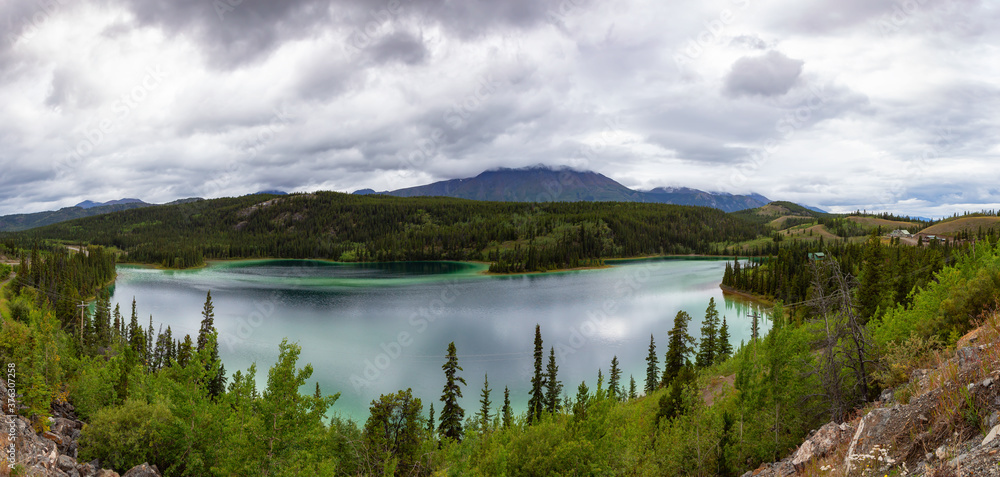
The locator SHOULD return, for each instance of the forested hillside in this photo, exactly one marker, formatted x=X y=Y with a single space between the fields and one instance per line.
x=330 y=225
x=704 y=407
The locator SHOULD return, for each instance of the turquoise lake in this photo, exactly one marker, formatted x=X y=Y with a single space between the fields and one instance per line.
x=371 y=329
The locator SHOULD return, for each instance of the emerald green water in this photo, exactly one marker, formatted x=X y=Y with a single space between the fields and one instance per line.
x=371 y=329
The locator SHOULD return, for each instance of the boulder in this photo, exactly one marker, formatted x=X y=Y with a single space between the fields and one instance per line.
x=144 y=470
x=107 y=473
x=820 y=443
x=991 y=436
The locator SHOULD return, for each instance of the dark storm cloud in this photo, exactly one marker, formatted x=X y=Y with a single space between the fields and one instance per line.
x=400 y=46
x=234 y=32
x=771 y=74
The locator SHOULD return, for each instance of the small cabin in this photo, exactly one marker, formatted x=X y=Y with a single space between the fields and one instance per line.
x=817 y=256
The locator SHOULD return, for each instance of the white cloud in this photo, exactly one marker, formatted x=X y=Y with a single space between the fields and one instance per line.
x=188 y=101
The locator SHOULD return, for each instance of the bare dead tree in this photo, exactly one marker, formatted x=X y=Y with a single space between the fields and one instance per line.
x=824 y=302
x=846 y=343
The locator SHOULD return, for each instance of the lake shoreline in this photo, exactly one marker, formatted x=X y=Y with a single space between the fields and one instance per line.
x=609 y=263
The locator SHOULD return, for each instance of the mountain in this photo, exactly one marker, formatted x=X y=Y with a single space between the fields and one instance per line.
x=89 y=204
x=545 y=184
x=16 y=222
x=271 y=192
x=87 y=208
x=718 y=200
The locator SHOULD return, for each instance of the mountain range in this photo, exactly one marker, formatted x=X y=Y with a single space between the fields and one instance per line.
x=87 y=208
x=545 y=184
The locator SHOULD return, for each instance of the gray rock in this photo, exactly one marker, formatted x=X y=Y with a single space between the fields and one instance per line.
x=66 y=463
x=86 y=470
x=821 y=443
x=144 y=470
x=991 y=436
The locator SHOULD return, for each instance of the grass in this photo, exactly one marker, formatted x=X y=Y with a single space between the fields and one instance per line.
x=876 y=222
x=972 y=224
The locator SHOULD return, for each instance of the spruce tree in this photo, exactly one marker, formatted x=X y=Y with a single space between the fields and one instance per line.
x=552 y=385
x=508 y=414
x=430 y=421
x=652 y=368
x=537 y=400
x=184 y=351
x=709 y=331
x=207 y=321
x=484 y=405
x=582 y=400
x=631 y=388
x=679 y=345
x=725 y=348
x=614 y=391
x=116 y=330
x=452 y=413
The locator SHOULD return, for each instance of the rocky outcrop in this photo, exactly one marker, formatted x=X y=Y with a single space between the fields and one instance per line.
x=948 y=425
x=53 y=453
x=821 y=443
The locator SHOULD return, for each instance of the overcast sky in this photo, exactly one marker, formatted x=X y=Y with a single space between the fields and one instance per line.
x=841 y=104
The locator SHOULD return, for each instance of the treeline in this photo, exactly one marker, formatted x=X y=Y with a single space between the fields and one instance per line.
x=788 y=275
x=329 y=225
x=62 y=278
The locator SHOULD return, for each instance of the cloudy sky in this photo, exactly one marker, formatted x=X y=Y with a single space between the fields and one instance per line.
x=842 y=104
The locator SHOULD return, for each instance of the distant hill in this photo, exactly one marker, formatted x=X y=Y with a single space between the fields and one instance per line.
x=951 y=227
x=270 y=192
x=87 y=208
x=16 y=222
x=545 y=184
x=89 y=204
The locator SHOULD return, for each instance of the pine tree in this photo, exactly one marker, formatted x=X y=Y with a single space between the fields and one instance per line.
x=709 y=332
x=137 y=337
x=652 y=368
x=116 y=331
x=582 y=400
x=207 y=321
x=680 y=344
x=451 y=413
x=631 y=388
x=184 y=351
x=755 y=326
x=484 y=405
x=430 y=421
x=553 y=387
x=614 y=391
x=508 y=415
x=537 y=400
x=217 y=383
x=102 y=320
x=724 y=348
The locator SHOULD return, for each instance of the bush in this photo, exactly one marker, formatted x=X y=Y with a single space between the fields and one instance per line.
x=127 y=435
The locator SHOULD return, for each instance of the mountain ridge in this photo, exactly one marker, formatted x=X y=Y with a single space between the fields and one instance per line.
x=547 y=184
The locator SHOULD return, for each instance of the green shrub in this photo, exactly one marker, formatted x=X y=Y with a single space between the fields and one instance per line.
x=127 y=435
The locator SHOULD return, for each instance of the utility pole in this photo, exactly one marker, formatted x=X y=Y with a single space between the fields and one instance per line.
x=83 y=307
